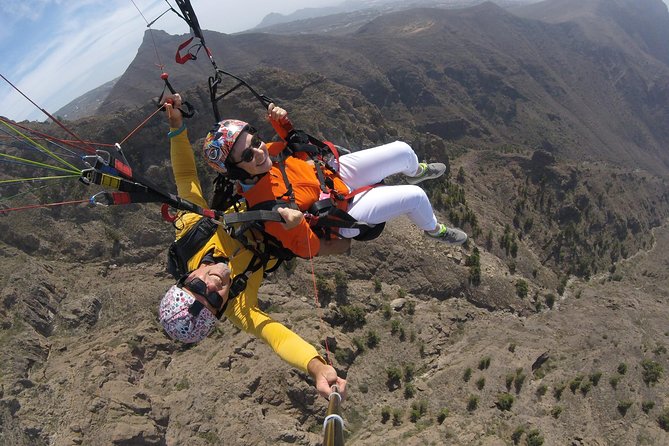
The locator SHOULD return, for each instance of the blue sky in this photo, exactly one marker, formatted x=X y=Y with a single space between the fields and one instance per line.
x=57 y=50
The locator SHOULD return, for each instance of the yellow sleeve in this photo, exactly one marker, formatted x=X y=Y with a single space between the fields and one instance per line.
x=243 y=311
x=185 y=172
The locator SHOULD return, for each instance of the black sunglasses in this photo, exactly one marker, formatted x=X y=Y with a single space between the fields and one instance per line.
x=198 y=286
x=248 y=154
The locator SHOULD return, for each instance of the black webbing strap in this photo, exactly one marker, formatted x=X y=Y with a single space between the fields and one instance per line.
x=232 y=218
x=183 y=249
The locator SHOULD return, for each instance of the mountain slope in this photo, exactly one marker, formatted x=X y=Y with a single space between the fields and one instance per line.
x=475 y=76
x=548 y=326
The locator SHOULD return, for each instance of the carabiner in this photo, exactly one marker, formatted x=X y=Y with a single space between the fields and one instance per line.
x=105 y=194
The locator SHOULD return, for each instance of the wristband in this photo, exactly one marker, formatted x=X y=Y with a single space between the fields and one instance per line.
x=176 y=132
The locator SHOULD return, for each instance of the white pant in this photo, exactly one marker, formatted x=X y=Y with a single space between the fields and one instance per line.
x=383 y=203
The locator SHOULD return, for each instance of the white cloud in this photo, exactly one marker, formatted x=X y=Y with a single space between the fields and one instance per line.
x=58 y=50
x=15 y=10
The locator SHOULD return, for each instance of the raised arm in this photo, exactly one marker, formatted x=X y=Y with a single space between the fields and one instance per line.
x=278 y=117
x=181 y=154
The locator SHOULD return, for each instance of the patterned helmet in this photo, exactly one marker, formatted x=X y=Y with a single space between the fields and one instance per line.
x=178 y=322
x=219 y=142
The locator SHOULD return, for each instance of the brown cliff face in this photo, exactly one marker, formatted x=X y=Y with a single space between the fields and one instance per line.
x=550 y=323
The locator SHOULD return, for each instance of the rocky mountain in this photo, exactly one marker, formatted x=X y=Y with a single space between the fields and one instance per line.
x=87 y=104
x=548 y=327
x=480 y=76
x=350 y=15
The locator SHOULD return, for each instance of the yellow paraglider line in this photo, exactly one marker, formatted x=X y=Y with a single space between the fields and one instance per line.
x=37 y=163
x=25 y=180
x=44 y=149
x=25 y=192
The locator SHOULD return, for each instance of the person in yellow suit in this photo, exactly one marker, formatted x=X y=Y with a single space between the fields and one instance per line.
x=189 y=309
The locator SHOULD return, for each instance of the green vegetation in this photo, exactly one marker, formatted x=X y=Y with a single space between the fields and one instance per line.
x=512 y=347
x=341 y=284
x=344 y=356
x=557 y=391
x=411 y=307
x=385 y=414
x=474 y=264
x=359 y=344
x=394 y=377
x=509 y=380
x=660 y=350
x=373 y=339
x=614 y=381
x=472 y=403
x=623 y=406
x=504 y=401
x=397 y=417
x=521 y=288
x=377 y=285
x=484 y=363
x=183 y=384
x=418 y=409
x=647 y=406
x=517 y=434
x=325 y=288
x=508 y=242
x=395 y=326
x=575 y=383
x=585 y=387
x=534 y=438
x=550 y=300
x=595 y=377
x=409 y=370
x=622 y=368
x=387 y=311
x=541 y=390
x=663 y=419
x=562 y=285
x=556 y=411
x=460 y=178
x=488 y=240
x=409 y=390
x=652 y=371
x=353 y=316
x=210 y=437
x=480 y=383
x=467 y=375
x=518 y=380
x=442 y=415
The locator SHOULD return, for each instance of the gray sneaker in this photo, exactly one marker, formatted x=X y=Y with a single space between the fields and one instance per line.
x=430 y=171
x=452 y=236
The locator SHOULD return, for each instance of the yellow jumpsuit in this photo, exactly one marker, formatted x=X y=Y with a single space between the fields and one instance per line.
x=242 y=311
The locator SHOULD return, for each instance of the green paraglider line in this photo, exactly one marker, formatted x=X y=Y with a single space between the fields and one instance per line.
x=27 y=180
x=37 y=163
x=6 y=199
x=44 y=149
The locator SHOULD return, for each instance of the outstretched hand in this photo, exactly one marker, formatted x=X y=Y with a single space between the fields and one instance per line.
x=325 y=377
x=172 y=103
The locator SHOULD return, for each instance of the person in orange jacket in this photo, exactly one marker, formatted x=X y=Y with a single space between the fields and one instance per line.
x=234 y=148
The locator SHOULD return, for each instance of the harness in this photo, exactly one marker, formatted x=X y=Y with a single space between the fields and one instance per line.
x=183 y=249
x=324 y=215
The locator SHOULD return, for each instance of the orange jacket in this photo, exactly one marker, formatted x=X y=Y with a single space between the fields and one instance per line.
x=301 y=240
